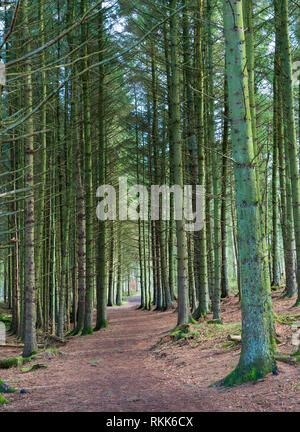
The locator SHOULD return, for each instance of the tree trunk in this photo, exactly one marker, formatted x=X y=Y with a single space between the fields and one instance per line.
x=257 y=355
x=30 y=343
x=100 y=266
x=184 y=314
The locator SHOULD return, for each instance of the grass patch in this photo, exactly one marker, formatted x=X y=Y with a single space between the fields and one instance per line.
x=293 y=359
x=5 y=315
x=217 y=330
x=34 y=367
x=230 y=344
x=11 y=362
x=184 y=332
x=203 y=332
x=214 y=321
x=50 y=352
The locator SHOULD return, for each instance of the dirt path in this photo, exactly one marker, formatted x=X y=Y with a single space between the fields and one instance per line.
x=121 y=381
x=126 y=375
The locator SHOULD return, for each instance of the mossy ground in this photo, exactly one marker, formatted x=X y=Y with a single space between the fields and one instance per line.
x=52 y=351
x=87 y=332
x=3 y=401
x=75 y=332
x=287 y=319
x=34 y=367
x=6 y=319
x=183 y=332
x=239 y=376
x=214 y=321
x=11 y=362
x=198 y=314
x=276 y=287
x=297 y=357
x=290 y=359
x=103 y=325
x=206 y=331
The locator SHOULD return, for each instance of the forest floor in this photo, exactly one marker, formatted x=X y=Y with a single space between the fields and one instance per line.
x=134 y=365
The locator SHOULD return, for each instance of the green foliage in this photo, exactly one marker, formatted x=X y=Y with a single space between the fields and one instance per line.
x=34 y=367
x=6 y=319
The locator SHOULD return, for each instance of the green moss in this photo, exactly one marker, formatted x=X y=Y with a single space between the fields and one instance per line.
x=214 y=321
x=238 y=376
x=35 y=367
x=203 y=332
x=52 y=352
x=184 y=332
x=273 y=342
x=296 y=355
x=87 y=332
x=75 y=332
x=3 y=401
x=287 y=319
x=276 y=288
x=11 y=362
x=230 y=344
x=103 y=325
x=293 y=359
x=179 y=332
x=283 y=358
